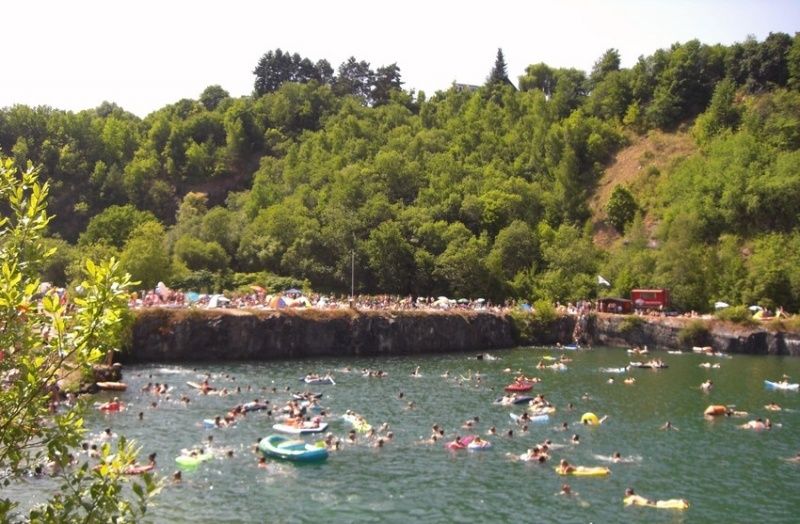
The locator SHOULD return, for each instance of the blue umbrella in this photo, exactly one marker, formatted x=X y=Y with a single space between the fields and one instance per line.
x=192 y=296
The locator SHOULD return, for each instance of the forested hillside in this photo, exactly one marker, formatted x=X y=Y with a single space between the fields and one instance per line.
x=490 y=191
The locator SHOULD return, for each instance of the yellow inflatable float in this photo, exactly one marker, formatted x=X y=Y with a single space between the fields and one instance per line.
x=583 y=471
x=590 y=419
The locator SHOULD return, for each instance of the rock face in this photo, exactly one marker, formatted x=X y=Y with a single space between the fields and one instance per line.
x=162 y=335
x=673 y=333
x=208 y=335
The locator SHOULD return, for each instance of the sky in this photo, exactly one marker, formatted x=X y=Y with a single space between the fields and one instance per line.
x=145 y=54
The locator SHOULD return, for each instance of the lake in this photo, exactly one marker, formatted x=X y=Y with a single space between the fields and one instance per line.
x=726 y=473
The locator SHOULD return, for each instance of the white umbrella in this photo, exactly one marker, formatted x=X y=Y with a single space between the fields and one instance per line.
x=755 y=308
x=721 y=305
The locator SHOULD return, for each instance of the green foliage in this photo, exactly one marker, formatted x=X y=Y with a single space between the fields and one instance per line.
x=695 y=333
x=544 y=311
x=42 y=344
x=465 y=192
x=621 y=208
x=630 y=323
x=145 y=255
x=114 y=225
x=736 y=314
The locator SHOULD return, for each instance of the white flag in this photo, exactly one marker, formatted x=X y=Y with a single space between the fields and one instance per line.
x=602 y=281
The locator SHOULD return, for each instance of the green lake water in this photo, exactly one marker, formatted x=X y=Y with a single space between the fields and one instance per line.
x=727 y=473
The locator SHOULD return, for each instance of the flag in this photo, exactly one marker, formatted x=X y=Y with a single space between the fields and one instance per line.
x=602 y=281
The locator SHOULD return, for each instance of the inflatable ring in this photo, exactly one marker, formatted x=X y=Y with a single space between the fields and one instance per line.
x=590 y=419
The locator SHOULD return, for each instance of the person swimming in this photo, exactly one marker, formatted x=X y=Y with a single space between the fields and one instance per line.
x=565 y=468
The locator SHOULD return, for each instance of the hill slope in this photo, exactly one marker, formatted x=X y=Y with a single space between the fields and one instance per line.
x=636 y=166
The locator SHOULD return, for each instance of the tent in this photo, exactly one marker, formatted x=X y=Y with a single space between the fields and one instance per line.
x=298 y=302
x=218 y=301
x=277 y=302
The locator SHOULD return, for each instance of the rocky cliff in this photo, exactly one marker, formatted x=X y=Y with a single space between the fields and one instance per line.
x=682 y=333
x=161 y=335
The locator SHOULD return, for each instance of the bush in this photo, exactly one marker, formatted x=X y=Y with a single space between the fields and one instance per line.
x=544 y=311
x=629 y=323
x=694 y=333
x=736 y=314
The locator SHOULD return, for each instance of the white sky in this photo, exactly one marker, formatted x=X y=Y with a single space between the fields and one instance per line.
x=145 y=54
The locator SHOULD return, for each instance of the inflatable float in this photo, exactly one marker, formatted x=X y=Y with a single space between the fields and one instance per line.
x=781 y=385
x=519 y=387
x=584 y=471
x=590 y=419
x=285 y=448
x=544 y=417
x=460 y=443
x=661 y=504
x=112 y=386
x=191 y=461
x=305 y=428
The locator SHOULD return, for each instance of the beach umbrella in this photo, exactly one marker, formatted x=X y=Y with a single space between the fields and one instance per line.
x=192 y=296
x=293 y=291
x=755 y=308
x=721 y=305
x=480 y=300
x=463 y=301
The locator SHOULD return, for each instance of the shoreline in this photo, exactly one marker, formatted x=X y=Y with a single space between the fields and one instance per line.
x=195 y=335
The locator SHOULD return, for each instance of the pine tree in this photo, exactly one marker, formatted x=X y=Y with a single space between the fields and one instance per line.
x=499 y=74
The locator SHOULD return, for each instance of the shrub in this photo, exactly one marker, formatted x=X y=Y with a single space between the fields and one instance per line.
x=736 y=314
x=544 y=311
x=629 y=323
x=695 y=333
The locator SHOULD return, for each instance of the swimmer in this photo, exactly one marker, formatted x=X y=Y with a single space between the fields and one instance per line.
x=795 y=459
x=772 y=406
x=262 y=462
x=757 y=424
x=565 y=468
x=177 y=477
x=416 y=372
x=706 y=386
x=566 y=490
x=630 y=381
x=668 y=426
x=576 y=439
x=632 y=499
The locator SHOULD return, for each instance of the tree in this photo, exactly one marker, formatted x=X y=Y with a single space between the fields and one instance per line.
x=538 y=76
x=793 y=63
x=277 y=67
x=499 y=74
x=608 y=63
x=387 y=80
x=721 y=114
x=114 y=225
x=145 y=255
x=354 y=78
x=621 y=208
x=44 y=346
x=212 y=96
